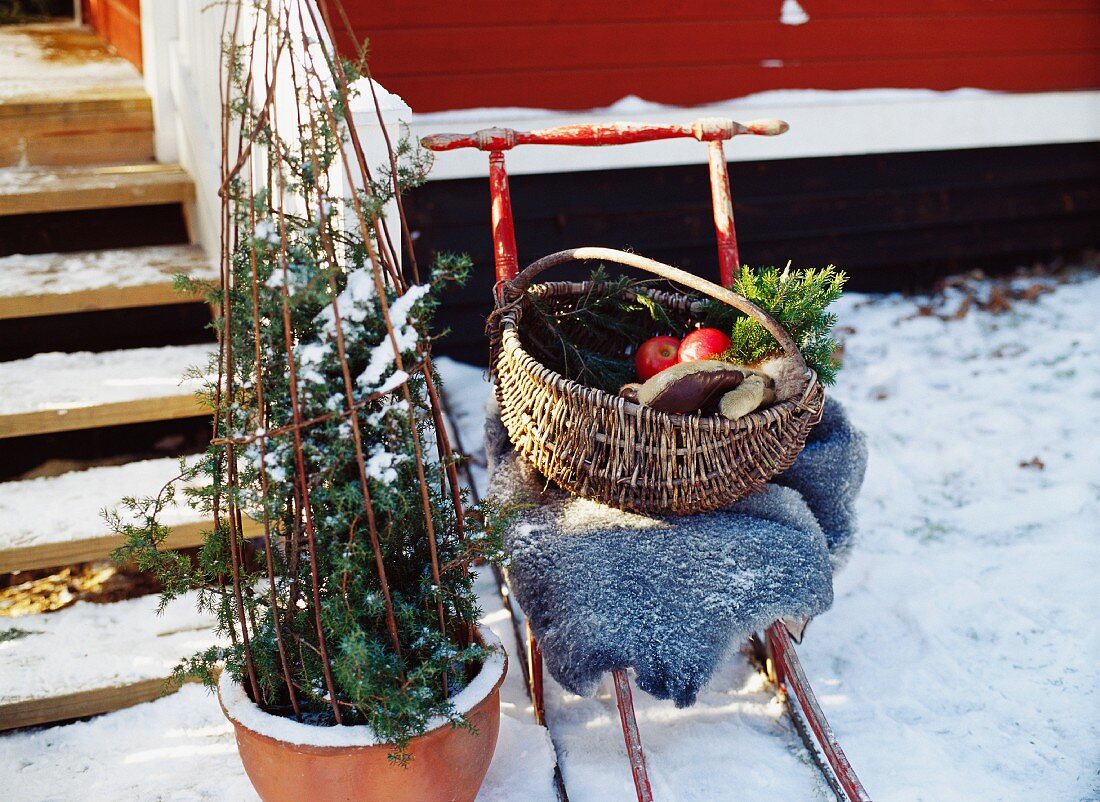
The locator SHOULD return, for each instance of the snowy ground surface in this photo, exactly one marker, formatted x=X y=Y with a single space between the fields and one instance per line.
x=960 y=660
x=181 y=748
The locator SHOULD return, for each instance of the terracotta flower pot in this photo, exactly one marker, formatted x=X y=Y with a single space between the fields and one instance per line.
x=286 y=760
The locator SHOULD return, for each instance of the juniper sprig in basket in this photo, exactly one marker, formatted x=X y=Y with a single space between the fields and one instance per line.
x=604 y=447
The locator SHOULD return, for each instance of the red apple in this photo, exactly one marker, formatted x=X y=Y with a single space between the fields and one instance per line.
x=655 y=354
x=703 y=344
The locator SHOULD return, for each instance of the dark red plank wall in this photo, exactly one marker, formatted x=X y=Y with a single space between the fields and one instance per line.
x=119 y=22
x=576 y=54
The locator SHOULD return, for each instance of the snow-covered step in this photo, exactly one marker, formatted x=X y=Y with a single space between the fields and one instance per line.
x=56 y=520
x=65 y=98
x=60 y=283
x=94 y=658
x=63 y=189
x=56 y=392
x=59 y=57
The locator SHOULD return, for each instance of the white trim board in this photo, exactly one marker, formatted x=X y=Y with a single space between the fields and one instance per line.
x=822 y=124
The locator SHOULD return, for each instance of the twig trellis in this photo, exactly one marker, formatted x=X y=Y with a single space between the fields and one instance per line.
x=328 y=425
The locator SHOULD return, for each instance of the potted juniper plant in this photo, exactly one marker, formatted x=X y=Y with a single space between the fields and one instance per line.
x=339 y=562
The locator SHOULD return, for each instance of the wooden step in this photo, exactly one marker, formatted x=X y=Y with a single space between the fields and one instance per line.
x=87 y=281
x=53 y=521
x=94 y=658
x=100 y=126
x=66 y=99
x=57 y=392
x=65 y=189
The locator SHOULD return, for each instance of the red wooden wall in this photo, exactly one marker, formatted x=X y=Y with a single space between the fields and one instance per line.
x=119 y=22
x=576 y=54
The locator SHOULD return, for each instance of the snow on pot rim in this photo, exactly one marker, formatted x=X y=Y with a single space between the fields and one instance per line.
x=243 y=712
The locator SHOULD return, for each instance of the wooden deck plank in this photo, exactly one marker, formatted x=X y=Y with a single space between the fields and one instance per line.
x=31 y=191
x=95 y=300
x=84 y=142
x=56 y=101
x=53 y=521
x=104 y=127
x=52 y=555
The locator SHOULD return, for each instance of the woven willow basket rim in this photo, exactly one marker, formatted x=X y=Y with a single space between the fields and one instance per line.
x=512 y=347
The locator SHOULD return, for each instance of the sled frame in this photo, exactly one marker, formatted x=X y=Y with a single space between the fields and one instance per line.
x=785 y=670
x=711 y=130
x=784 y=667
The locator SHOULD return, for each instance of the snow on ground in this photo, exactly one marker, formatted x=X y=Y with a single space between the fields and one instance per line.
x=734 y=743
x=181 y=747
x=63 y=273
x=961 y=659
x=466 y=390
x=69 y=381
x=178 y=748
x=959 y=662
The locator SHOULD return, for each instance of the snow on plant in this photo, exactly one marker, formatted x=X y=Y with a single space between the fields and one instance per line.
x=339 y=565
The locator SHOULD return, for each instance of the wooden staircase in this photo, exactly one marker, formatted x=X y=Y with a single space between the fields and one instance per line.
x=76 y=136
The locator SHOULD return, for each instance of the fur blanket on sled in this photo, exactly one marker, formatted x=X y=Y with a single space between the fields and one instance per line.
x=606 y=589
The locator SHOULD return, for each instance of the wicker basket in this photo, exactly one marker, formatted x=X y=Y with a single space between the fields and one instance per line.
x=629 y=456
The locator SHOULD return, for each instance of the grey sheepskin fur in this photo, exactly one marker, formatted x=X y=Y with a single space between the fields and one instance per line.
x=828 y=474
x=606 y=589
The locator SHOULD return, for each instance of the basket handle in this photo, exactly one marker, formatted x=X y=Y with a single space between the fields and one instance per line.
x=517 y=286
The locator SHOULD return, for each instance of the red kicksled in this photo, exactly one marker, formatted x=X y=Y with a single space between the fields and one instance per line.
x=782 y=662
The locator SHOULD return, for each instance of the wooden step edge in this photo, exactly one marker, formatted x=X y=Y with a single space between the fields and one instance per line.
x=118 y=413
x=93 y=300
x=80 y=704
x=92 y=549
x=66 y=148
x=94 y=101
x=105 y=188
